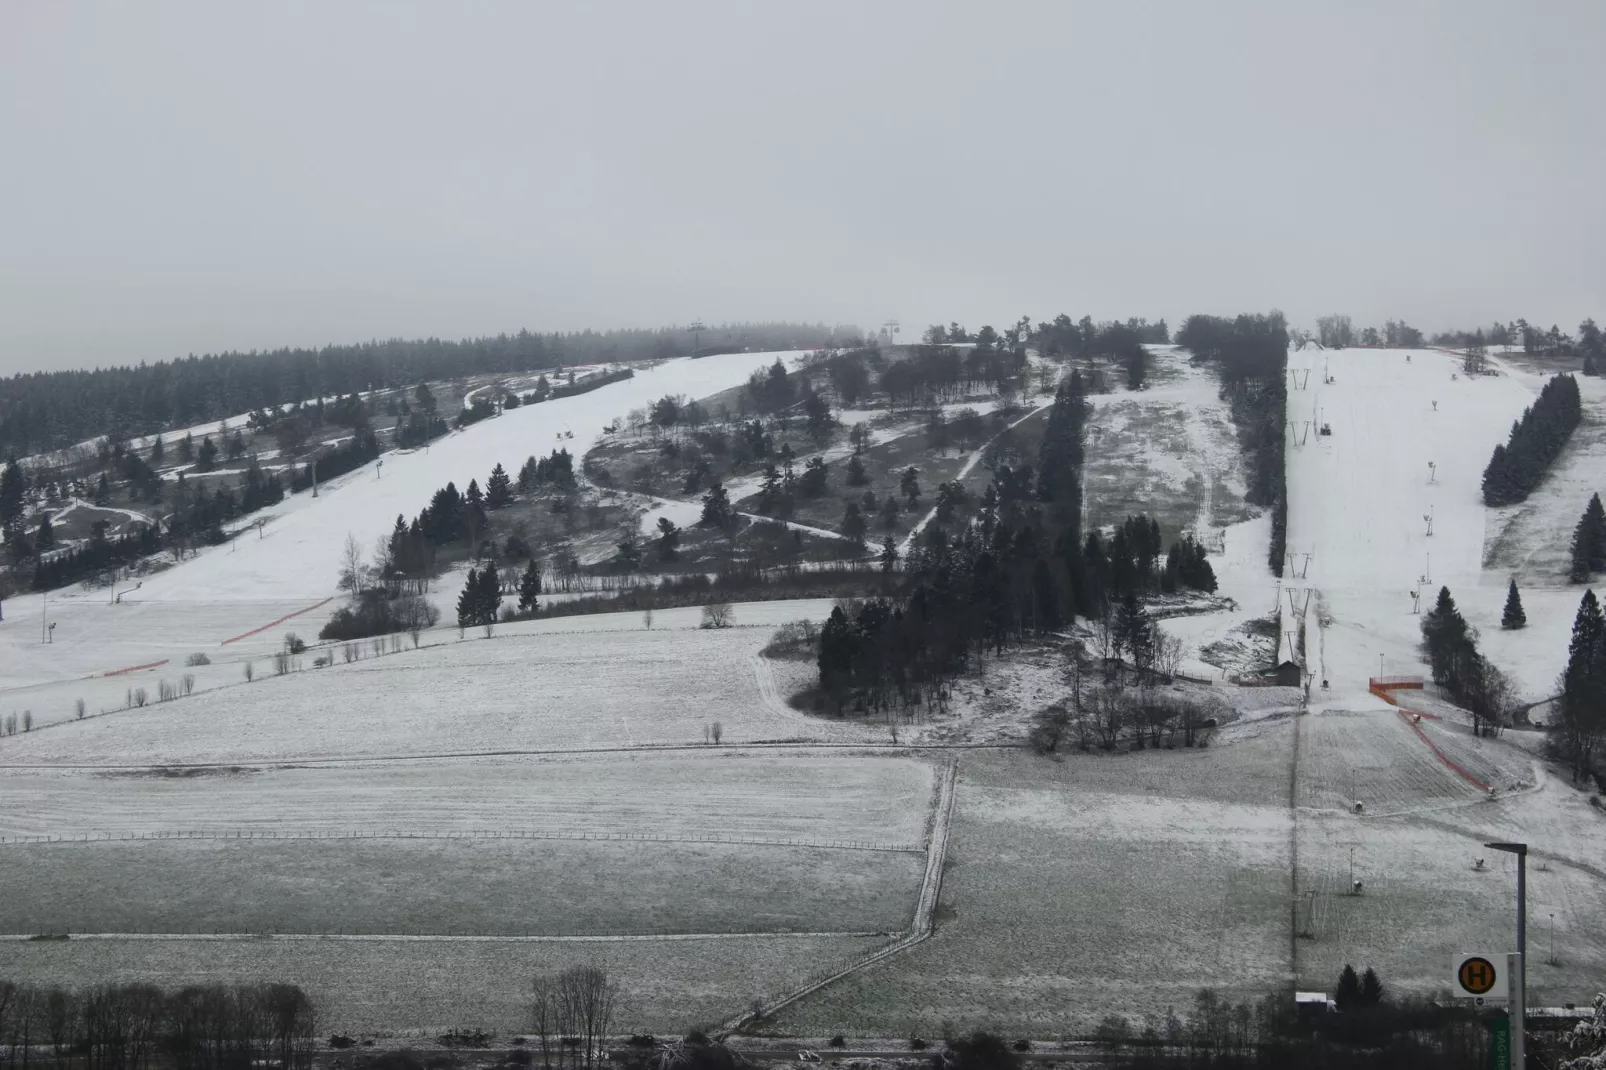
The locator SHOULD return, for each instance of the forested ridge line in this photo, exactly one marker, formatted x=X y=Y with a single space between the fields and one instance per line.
x=42 y=411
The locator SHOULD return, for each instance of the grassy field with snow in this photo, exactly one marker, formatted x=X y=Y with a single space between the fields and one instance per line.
x=729 y=793
x=1095 y=885
x=455 y=886
x=524 y=689
x=1169 y=451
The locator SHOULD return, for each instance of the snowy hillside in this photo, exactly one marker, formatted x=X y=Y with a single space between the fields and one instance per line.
x=1410 y=438
x=230 y=590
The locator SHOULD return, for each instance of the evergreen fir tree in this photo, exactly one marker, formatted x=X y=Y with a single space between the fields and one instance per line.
x=909 y=485
x=530 y=588
x=45 y=538
x=206 y=458
x=468 y=601
x=1134 y=629
x=1513 y=617
x=1348 y=994
x=813 y=483
x=1045 y=596
x=186 y=449
x=856 y=473
x=770 y=491
x=1450 y=644
x=13 y=485
x=489 y=601
x=853 y=523
x=1583 y=688
x=668 y=540
x=156 y=451
x=498 y=489
x=1371 y=988
x=889 y=554
x=717 y=511
x=1595 y=516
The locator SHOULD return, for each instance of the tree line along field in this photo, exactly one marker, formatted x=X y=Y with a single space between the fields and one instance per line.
x=421 y=988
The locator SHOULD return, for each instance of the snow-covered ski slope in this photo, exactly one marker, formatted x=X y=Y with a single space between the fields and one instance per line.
x=230 y=590
x=1359 y=502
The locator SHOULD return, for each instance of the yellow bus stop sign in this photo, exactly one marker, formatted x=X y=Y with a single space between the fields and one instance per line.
x=1476 y=975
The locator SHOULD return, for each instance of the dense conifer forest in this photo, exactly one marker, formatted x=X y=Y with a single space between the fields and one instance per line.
x=44 y=411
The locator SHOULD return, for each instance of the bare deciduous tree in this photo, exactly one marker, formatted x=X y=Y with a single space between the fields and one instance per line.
x=1110 y=710
x=250 y=671
x=544 y=1014
x=351 y=565
x=717 y=615
x=587 y=998
x=1167 y=654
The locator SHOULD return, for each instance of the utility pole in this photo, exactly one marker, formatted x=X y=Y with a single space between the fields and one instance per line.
x=1519 y=1018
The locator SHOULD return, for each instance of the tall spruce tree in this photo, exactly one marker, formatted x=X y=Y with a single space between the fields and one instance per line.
x=1371 y=988
x=468 y=601
x=498 y=488
x=13 y=485
x=1583 y=689
x=1596 y=516
x=1449 y=643
x=488 y=603
x=1348 y=994
x=530 y=588
x=1513 y=617
x=1589 y=542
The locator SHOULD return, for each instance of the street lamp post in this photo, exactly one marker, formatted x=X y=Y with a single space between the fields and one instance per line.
x=1520 y=1015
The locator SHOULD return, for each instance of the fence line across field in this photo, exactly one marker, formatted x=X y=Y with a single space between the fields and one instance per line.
x=457 y=834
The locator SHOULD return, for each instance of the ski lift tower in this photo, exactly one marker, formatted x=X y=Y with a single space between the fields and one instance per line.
x=697 y=328
x=891 y=328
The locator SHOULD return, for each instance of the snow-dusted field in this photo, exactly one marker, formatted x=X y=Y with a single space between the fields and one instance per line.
x=713 y=793
x=518 y=691
x=1105 y=884
x=454 y=886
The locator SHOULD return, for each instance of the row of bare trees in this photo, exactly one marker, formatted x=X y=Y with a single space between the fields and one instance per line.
x=571 y=1013
x=135 y=1026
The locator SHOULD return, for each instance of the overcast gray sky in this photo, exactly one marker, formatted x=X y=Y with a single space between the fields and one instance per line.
x=195 y=176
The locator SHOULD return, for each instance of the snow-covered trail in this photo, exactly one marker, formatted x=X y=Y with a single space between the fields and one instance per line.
x=1359 y=499
x=231 y=589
